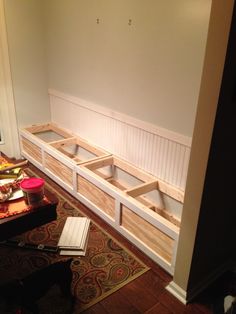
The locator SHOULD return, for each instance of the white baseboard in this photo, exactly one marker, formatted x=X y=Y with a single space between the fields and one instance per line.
x=187 y=296
x=177 y=291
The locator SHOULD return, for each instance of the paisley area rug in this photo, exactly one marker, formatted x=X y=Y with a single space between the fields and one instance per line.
x=106 y=267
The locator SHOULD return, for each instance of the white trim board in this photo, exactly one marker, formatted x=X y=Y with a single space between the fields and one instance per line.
x=160 y=152
x=185 y=296
x=177 y=291
x=8 y=122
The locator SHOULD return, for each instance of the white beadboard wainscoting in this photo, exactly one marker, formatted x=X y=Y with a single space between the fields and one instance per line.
x=160 y=152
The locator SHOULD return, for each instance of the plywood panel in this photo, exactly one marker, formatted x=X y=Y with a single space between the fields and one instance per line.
x=32 y=150
x=98 y=197
x=148 y=234
x=59 y=169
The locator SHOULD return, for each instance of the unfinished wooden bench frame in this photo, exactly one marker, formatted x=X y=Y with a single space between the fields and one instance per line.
x=126 y=207
x=112 y=188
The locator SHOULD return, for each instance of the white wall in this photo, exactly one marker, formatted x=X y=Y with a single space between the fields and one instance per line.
x=150 y=69
x=25 y=28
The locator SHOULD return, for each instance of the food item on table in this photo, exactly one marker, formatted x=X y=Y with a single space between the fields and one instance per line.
x=2 y=160
x=4 y=189
x=11 y=174
x=4 y=165
x=14 y=185
x=7 y=189
x=5 y=193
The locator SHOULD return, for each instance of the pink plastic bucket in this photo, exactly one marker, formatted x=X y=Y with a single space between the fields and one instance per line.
x=33 y=189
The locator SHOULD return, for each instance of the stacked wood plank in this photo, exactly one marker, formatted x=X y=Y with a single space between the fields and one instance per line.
x=74 y=236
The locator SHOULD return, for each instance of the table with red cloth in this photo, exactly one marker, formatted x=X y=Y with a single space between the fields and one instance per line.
x=17 y=217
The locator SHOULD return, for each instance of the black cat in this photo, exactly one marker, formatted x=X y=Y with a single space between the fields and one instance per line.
x=23 y=294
